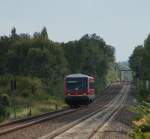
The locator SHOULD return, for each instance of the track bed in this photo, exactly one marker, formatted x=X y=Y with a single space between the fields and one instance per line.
x=44 y=128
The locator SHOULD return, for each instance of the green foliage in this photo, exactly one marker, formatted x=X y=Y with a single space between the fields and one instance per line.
x=143 y=109
x=142 y=91
x=140 y=58
x=142 y=123
x=90 y=55
x=136 y=58
x=111 y=76
x=4 y=106
x=4 y=100
x=39 y=65
x=27 y=86
x=140 y=65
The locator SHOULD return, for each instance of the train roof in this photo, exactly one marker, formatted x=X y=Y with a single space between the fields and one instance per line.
x=78 y=75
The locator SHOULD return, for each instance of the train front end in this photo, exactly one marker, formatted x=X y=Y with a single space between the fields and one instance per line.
x=79 y=89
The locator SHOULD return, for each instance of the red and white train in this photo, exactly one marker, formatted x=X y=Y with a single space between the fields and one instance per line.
x=79 y=89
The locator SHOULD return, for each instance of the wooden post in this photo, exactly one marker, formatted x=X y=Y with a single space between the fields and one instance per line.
x=30 y=112
x=56 y=106
x=147 y=84
x=13 y=90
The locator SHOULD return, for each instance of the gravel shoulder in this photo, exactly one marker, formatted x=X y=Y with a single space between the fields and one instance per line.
x=120 y=126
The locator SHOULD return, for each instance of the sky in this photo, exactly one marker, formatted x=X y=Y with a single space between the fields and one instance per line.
x=123 y=24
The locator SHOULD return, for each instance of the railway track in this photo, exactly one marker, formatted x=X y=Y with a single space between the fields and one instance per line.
x=88 y=126
x=19 y=124
x=113 y=112
x=7 y=131
x=26 y=122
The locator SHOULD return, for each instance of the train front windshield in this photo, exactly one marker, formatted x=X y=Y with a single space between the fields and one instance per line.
x=76 y=83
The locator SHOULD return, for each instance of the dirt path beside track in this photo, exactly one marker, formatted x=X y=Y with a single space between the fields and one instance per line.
x=121 y=125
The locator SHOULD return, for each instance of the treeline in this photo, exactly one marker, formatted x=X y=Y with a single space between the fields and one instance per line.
x=38 y=63
x=140 y=64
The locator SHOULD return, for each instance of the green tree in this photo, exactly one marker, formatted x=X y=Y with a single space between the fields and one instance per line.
x=44 y=33
x=90 y=55
x=4 y=104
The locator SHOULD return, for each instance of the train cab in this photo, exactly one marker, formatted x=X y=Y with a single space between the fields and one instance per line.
x=79 y=89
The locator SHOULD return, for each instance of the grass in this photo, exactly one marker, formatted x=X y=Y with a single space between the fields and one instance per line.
x=141 y=122
x=146 y=135
x=36 y=105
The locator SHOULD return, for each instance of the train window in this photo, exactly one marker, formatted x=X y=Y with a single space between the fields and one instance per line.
x=91 y=85
x=76 y=83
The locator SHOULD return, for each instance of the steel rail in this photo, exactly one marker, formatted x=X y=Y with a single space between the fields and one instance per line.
x=72 y=124
x=112 y=114
x=4 y=128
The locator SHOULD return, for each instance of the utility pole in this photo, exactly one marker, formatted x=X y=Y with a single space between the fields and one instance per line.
x=120 y=75
x=13 y=90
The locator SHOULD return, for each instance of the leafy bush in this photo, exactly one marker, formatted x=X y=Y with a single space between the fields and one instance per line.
x=4 y=106
x=27 y=86
x=142 y=123
x=142 y=92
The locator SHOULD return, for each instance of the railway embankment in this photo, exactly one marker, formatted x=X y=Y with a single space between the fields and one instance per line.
x=44 y=127
x=108 y=117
